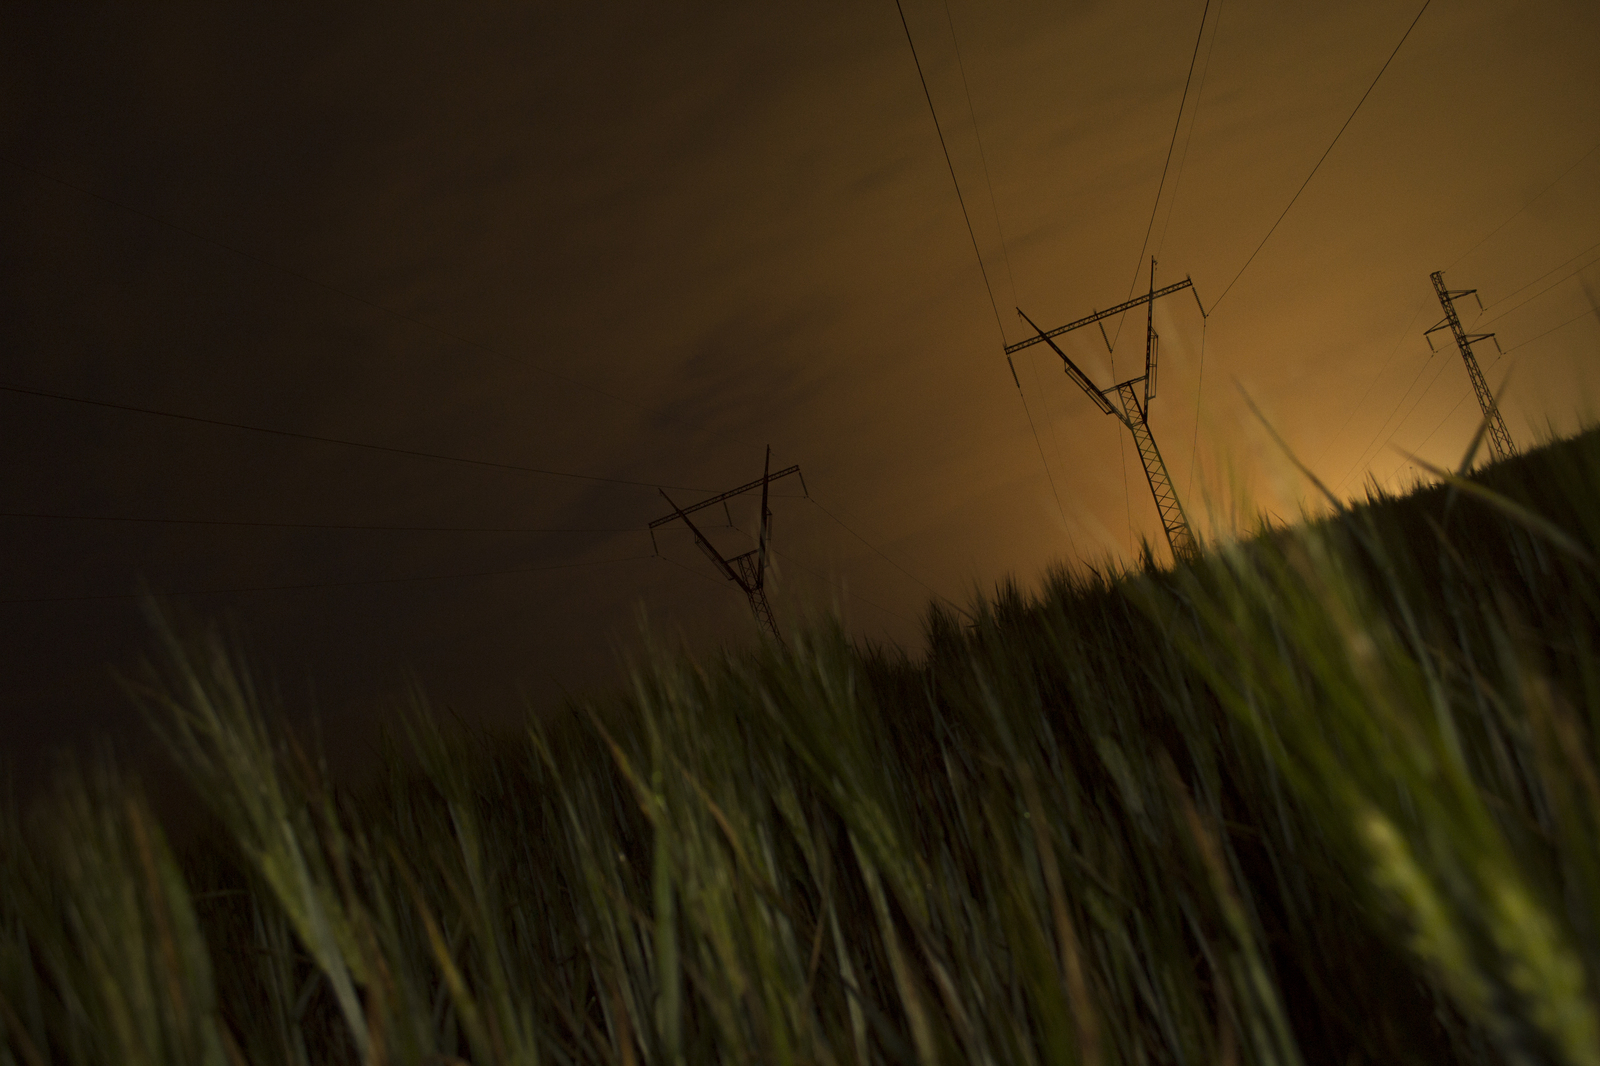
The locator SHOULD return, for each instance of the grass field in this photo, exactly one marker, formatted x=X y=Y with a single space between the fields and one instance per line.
x=1325 y=795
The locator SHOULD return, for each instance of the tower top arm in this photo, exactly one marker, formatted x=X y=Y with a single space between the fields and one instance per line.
x=730 y=494
x=1046 y=335
x=1074 y=372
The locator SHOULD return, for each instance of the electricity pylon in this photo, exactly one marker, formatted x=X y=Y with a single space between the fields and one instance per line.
x=1499 y=437
x=1134 y=413
x=748 y=571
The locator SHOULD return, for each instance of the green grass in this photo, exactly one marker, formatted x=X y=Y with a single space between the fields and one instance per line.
x=1326 y=795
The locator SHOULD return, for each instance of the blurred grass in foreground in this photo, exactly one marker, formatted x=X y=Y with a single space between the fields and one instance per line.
x=1327 y=795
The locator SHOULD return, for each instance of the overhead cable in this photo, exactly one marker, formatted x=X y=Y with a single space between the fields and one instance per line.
x=983 y=157
x=323 y=584
x=1122 y=445
x=994 y=207
x=1565 y=277
x=1552 y=329
x=310 y=525
x=1194 y=119
x=409 y=452
x=1324 y=156
x=364 y=301
x=1138 y=264
x=1400 y=340
x=841 y=587
x=1194 y=443
x=1038 y=444
x=885 y=557
x=1418 y=312
x=946 y=149
x=1443 y=366
x=1468 y=394
x=1371 y=444
x=1535 y=199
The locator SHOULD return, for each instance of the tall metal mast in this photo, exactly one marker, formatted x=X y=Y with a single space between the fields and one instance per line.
x=748 y=571
x=1134 y=413
x=1499 y=437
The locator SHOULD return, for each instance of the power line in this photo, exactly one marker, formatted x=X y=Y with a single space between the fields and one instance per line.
x=885 y=557
x=1552 y=329
x=1541 y=292
x=1436 y=429
x=1413 y=410
x=1516 y=214
x=1010 y=277
x=1417 y=403
x=819 y=576
x=841 y=587
x=1194 y=444
x=1385 y=424
x=323 y=584
x=1422 y=303
x=310 y=525
x=792 y=559
x=1399 y=341
x=696 y=573
x=1444 y=364
x=982 y=155
x=1044 y=402
x=410 y=452
x=1155 y=208
x=1134 y=411
x=1324 y=156
x=1127 y=493
x=1541 y=277
x=1194 y=119
x=1404 y=332
x=1038 y=444
x=1055 y=444
x=946 y=149
x=345 y=293
x=1508 y=351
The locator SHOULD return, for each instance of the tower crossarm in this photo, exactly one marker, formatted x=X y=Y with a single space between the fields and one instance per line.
x=749 y=570
x=1179 y=537
x=730 y=494
x=1046 y=335
x=705 y=545
x=1079 y=378
x=1135 y=410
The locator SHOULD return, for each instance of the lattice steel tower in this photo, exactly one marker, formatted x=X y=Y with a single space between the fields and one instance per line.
x=1499 y=437
x=1135 y=414
x=747 y=571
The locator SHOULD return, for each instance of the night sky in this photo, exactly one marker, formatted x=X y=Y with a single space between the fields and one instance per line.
x=639 y=243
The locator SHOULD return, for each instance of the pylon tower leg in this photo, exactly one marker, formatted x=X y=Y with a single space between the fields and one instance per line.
x=1499 y=437
x=1500 y=445
x=752 y=577
x=1179 y=537
x=763 y=612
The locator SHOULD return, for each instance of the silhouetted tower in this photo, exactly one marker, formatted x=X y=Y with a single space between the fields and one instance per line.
x=748 y=571
x=1135 y=414
x=1499 y=438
